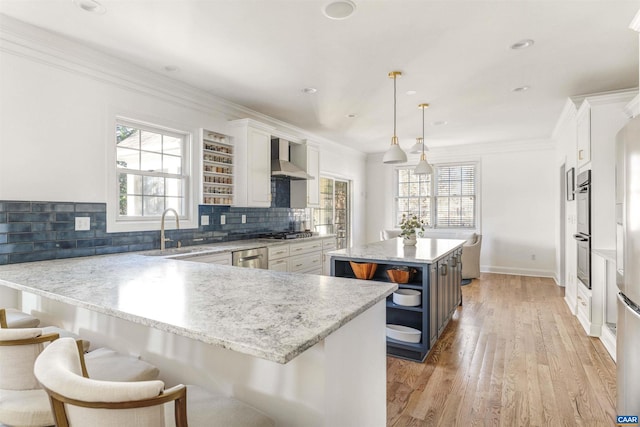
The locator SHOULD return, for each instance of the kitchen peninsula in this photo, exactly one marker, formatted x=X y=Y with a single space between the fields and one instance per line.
x=436 y=274
x=303 y=348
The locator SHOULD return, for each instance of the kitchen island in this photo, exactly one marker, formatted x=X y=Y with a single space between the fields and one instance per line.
x=436 y=273
x=303 y=348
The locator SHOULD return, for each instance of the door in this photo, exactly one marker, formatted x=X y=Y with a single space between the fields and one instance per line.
x=334 y=214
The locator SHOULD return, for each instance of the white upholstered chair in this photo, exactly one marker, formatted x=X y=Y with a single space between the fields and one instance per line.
x=22 y=401
x=12 y=318
x=79 y=400
x=389 y=234
x=471 y=257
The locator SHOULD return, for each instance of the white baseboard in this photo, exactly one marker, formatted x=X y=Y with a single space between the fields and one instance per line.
x=518 y=271
x=571 y=303
x=609 y=341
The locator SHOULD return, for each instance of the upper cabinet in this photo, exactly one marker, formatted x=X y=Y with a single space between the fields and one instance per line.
x=584 y=134
x=252 y=142
x=306 y=193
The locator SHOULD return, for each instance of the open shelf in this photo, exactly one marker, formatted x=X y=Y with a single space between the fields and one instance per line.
x=217 y=169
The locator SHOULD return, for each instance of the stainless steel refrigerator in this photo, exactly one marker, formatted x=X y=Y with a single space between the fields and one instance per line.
x=628 y=267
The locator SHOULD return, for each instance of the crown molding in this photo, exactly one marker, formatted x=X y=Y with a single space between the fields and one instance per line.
x=609 y=97
x=567 y=115
x=37 y=44
x=632 y=109
x=635 y=23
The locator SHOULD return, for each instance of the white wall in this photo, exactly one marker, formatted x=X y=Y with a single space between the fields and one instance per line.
x=56 y=114
x=517 y=193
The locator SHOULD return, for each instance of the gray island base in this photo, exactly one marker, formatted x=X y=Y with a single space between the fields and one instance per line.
x=436 y=268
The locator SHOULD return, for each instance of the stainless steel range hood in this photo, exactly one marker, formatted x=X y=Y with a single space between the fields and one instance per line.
x=280 y=164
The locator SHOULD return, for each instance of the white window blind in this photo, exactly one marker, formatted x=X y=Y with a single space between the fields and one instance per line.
x=444 y=199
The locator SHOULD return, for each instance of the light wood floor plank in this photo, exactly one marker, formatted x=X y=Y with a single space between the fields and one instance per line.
x=513 y=355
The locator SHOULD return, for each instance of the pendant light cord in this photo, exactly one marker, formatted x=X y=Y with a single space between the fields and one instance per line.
x=423 y=130
x=394 y=105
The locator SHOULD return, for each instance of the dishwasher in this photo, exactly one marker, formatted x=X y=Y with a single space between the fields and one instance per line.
x=252 y=258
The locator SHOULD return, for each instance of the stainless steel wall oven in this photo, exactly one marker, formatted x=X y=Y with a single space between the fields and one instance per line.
x=583 y=235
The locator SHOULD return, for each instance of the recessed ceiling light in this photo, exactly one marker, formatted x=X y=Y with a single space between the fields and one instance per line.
x=522 y=44
x=439 y=123
x=411 y=92
x=520 y=89
x=309 y=90
x=90 y=6
x=339 y=9
x=170 y=68
x=352 y=116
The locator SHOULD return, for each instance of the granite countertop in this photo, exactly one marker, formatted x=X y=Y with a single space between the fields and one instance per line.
x=426 y=251
x=231 y=246
x=267 y=314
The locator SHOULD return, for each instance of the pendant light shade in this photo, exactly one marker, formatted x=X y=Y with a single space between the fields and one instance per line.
x=423 y=167
x=417 y=147
x=394 y=154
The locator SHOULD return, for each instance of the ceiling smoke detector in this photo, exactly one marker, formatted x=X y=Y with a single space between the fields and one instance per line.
x=339 y=9
x=90 y=6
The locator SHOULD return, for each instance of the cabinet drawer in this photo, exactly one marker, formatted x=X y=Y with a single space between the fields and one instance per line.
x=279 y=264
x=299 y=248
x=278 y=252
x=305 y=262
x=329 y=244
x=584 y=302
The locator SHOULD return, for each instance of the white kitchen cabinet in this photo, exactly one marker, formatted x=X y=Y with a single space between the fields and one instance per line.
x=252 y=141
x=584 y=134
x=306 y=263
x=306 y=193
x=279 y=264
x=278 y=257
x=329 y=244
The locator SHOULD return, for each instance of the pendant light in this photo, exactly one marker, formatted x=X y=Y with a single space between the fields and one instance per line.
x=417 y=147
x=423 y=167
x=394 y=154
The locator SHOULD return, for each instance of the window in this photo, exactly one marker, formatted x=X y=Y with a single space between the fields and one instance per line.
x=444 y=199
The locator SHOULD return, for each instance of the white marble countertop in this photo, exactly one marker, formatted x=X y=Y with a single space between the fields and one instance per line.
x=426 y=251
x=262 y=313
x=608 y=254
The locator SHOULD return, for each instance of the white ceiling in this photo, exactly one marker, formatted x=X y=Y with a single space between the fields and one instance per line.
x=455 y=54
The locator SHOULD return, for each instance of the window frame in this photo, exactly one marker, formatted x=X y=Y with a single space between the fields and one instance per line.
x=433 y=196
x=120 y=223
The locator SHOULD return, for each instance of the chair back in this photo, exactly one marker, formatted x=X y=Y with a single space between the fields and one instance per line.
x=19 y=349
x=78 y=400
x=389 y=234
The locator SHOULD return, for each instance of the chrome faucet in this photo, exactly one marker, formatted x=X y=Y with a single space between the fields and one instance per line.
x=162 y=239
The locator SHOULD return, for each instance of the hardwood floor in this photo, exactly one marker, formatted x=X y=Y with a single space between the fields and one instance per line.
x=513 y=355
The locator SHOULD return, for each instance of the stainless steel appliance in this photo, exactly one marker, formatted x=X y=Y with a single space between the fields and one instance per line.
x=583 y=237
x=628 y=268
x=251 y=258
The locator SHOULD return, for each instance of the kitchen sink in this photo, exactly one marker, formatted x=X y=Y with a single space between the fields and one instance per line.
x=180 y=252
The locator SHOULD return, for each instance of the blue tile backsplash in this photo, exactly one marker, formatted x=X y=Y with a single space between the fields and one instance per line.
x=37 y=231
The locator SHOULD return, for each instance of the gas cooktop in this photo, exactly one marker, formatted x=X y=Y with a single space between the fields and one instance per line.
x=286 y=235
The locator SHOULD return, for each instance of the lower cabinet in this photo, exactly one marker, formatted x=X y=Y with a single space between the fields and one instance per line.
x=303 y=256
x=439 y=284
